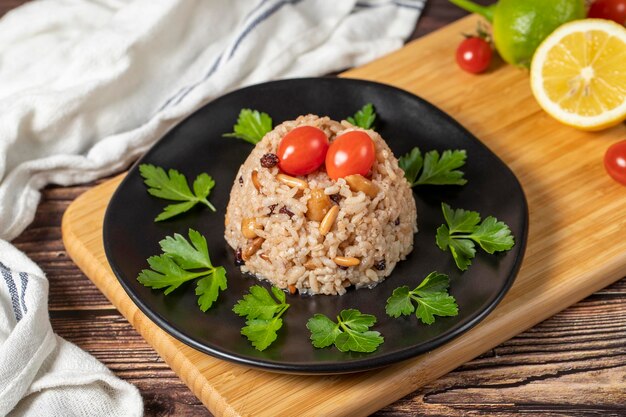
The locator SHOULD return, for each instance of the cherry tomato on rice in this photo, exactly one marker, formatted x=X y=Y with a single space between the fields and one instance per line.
x=614 y=10
x=349 y=154
x=615 y=161
x=302 y=150
x=474 y=55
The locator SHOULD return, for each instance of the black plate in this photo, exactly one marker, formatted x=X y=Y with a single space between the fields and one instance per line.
x=405 y=121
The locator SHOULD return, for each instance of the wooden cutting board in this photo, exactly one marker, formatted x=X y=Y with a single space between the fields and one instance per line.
x=576 y=243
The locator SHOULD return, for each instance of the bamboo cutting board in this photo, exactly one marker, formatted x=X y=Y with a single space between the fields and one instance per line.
x=576 y=242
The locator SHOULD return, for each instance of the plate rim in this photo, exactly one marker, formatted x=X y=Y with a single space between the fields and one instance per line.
x=356 y=365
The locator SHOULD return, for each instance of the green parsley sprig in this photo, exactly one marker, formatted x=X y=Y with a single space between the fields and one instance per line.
x=463 y=228
x=183 y=261
x=435 y=169
x=431 y=297
x=172 y=185
x=364 y=118
x=350 y=333
x=251 y=126
x=263 y=315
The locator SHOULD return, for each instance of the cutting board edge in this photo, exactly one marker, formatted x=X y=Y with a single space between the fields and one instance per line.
x=165 y=347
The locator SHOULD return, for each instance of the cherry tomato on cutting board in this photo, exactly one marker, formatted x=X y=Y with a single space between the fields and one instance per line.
x=474 y=55
x=302 y=150
x=614 y=10
x=351 y=153
x=615 y=161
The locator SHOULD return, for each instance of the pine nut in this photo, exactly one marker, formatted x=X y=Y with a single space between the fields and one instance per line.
x=292 y=181
x=264 y=257
x=251 y=249
x=329 y=219
x=318 y=205
x=248 y=228
x=360 y=183
x=345 y=261
x=255 y=180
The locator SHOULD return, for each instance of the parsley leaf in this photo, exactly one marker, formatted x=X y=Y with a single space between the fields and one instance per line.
x=182 y=261
x=463 y=230
x=438 y=304
x=262 y=314
x=251 y=126
x=173 y=186
x=259 y=303
x=400 y=304
x=350 y=333
x=442 y=171
x=262 y=333
x=324 y=331
x=493 y=236
x=435 y=169
x=431 y=296
x=460 y=220
x=462 y=249
x=364 y=118
x=209 y=286
x=412 y=164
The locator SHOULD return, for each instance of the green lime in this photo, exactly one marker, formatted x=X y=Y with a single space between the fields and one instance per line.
x=519 y=26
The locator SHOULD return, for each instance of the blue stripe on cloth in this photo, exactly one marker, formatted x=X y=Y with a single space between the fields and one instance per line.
x=419 y=5
x=372 y=4
x=24 y=278
x=416 y=5
x=255 y=9
x=253 y=24
x=258 y=20
x=169 y=100
x=182 y=93
x=15 y=302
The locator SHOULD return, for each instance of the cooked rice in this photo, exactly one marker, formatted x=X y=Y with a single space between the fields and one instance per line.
x=365 y=228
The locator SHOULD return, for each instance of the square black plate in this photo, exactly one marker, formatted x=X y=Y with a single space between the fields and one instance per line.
x=196 y=145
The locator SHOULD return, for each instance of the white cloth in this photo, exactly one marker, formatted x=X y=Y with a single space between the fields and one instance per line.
x=40 y=373
x=86 y=86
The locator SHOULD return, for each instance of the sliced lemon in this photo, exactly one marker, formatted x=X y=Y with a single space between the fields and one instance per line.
x=578 y=74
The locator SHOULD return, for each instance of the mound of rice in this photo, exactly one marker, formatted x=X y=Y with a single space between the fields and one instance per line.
x=293 y=253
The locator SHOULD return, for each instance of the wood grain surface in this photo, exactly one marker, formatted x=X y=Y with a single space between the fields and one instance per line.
x=571 y=364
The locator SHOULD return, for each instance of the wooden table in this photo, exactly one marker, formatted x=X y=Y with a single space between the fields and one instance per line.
x=584 y=345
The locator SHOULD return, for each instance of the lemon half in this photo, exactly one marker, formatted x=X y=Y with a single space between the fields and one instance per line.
x=578 y=74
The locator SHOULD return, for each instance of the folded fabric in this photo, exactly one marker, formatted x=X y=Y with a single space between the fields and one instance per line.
x=87 y=86
x=40 y=373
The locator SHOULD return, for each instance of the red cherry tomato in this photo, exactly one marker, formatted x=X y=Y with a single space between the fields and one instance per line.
x=614 y=10
x=302 y=150
x=615 y=161
x=349 y=154
x=474 y=55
